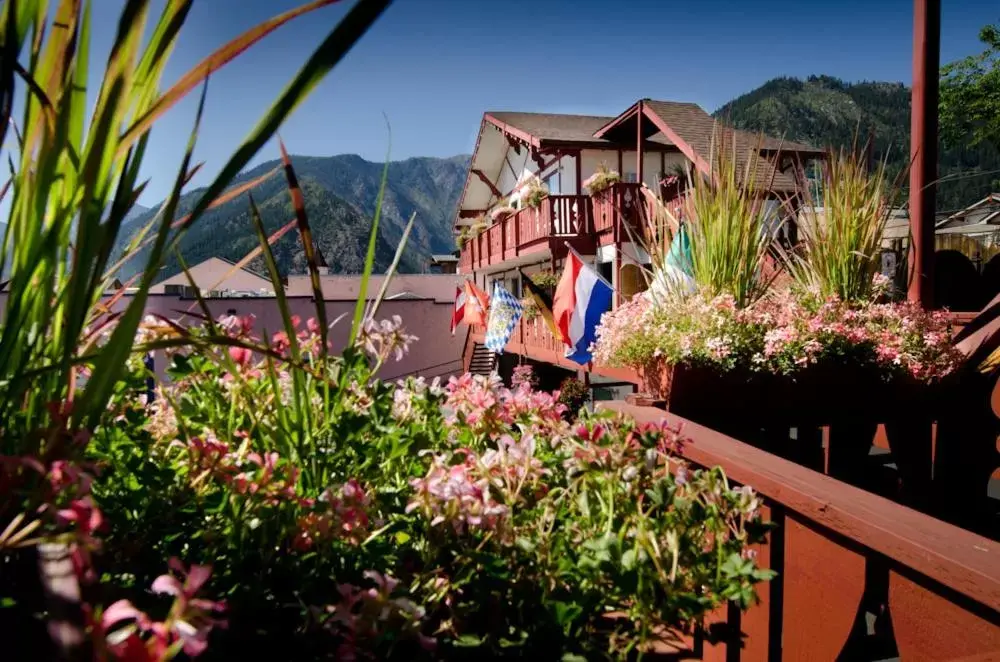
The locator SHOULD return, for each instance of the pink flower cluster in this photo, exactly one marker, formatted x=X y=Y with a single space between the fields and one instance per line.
x=241 y=328
x=188 y=623
x=264 y=477
x=345 y=517
x=649 y=447
x=363 y=614
x=407 y=394
x=458 y=494
x=486 y=406
x=386 y=338
x=67 y=499
x=523 y=375
x=781 y=333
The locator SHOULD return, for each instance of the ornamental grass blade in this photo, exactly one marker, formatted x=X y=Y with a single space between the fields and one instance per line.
x=313 y=257
x=359 y=307
x=322 y=61
x=249 y=257
x=120 y=345
x=391 y=271
x=210 y=64
x=272 y=270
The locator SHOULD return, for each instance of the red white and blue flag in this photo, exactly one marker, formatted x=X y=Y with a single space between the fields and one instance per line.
x=582 y=297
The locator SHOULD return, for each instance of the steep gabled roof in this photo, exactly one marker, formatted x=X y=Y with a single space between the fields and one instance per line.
x=693 y=130
x=546 y=129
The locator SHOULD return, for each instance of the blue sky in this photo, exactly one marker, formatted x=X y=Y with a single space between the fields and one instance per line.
x=434 y=66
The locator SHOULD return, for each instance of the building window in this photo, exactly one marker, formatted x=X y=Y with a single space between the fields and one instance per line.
x=553 y=183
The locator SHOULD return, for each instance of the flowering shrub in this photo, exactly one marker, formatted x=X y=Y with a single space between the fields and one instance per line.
x=532 y=192
x=546 y=279
x=501 y=210
x=404 y=521
x=782 y=333
x=524 y=374
x=602 y=179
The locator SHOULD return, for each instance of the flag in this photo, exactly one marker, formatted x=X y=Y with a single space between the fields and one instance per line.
x=544 y=303
x=504 y=313
x=582 y=296
x=676 y=275
x=477 y=303
x=458 y=313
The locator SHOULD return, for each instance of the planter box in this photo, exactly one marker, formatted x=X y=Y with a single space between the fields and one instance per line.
x=786 y=415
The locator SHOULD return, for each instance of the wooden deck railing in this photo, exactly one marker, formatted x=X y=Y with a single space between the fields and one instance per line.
x=557 y=218
x=859 y=577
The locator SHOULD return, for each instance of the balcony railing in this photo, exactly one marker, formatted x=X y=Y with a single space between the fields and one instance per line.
x=533 y=339
x=559 y=217
x=615 y=208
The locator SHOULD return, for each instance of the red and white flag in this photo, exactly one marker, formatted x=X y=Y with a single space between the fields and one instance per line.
x=458 y=314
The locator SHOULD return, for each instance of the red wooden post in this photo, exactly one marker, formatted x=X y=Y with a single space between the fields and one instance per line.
x=923 y=148
x=638 y=144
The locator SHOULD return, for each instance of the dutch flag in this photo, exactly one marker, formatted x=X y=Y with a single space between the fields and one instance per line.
x=581 y=298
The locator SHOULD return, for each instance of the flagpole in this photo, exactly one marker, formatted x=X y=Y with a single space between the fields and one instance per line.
x=596 y=272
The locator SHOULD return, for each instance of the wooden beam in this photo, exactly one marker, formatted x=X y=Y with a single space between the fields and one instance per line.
x=512 y=131
x=923 y=148
x=486 y=180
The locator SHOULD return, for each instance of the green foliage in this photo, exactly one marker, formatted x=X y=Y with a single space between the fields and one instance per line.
x=970 y=95
x=574 y=394
x=825 y=111
x=546 y=278
x=64 y=354
x=300 y=483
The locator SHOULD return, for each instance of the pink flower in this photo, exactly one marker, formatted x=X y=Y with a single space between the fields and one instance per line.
x=241 y=355
x=189 y=617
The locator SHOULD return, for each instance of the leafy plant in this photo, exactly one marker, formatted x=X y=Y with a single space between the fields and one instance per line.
x=532 y=192
x=63 y=352
x=602 y=179
x=546 y=279
x=970 y=100
x=574 y=394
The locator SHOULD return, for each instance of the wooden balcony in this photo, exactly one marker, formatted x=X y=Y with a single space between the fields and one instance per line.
x=559 y=219
x=618 y=213
x=533 y=339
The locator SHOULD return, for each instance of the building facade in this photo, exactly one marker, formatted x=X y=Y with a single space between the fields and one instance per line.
x=654 y=145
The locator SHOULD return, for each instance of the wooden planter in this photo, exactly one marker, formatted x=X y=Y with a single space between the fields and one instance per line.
x=790 y=416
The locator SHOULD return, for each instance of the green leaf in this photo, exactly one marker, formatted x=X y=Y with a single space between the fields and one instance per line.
x=629 y=559
x=468 y=641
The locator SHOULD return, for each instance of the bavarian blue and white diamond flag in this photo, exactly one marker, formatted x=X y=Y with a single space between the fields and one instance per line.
x=505 y=310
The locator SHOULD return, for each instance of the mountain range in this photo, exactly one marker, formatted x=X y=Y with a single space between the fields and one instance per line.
x=825 y=111
x=340 y=194
x=340 y=191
